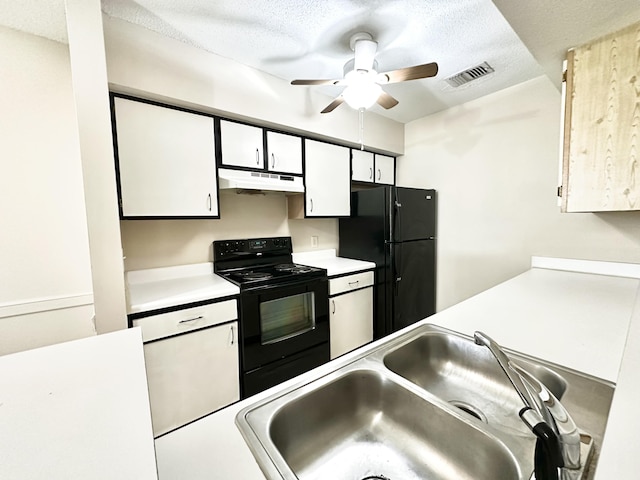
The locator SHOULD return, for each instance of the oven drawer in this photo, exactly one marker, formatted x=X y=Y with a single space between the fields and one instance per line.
x=350 y=282
x=181 y=321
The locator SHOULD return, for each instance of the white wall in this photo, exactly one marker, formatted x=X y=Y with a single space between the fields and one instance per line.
x=44 y=251
x=143 y=62
x=91 y=100
x=494 y=162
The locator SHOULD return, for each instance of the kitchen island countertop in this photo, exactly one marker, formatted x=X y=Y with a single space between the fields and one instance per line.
x=579 y=320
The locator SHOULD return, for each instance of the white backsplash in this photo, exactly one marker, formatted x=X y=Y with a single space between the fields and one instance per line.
x=163 y=243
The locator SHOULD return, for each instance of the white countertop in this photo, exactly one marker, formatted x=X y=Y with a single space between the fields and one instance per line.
x=334 y=265
x=77 y=410
x=157 y=288
x=574 y=319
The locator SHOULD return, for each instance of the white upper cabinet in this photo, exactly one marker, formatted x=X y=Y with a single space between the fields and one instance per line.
x=327 y=180
x=370 y=168
x=241 y=145
x=385 y=169
x=166 y=161
x=284 y=153
x=362 y=166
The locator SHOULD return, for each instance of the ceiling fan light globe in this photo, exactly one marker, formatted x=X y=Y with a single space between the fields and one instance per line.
x=362 y=95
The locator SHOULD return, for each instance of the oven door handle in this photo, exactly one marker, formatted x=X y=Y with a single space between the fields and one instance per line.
x=291 y=283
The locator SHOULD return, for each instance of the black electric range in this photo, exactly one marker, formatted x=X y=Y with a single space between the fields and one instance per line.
x=284 y=310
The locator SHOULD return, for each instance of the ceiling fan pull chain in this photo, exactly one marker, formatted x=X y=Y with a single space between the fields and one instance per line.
x=361 y=127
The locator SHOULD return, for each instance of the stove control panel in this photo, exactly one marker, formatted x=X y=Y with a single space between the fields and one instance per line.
x=256 y=246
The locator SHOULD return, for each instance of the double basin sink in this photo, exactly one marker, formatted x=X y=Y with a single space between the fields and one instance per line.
x=430 y=404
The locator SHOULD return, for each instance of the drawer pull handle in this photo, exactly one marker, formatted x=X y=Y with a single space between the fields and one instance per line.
x=333 y=302
x=257 y=157
x=354 y=283
x=232 y=336
x=187 y=320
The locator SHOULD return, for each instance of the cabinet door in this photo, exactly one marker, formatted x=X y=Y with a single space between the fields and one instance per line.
x=284 y=153
x=242 y=145
x=192 y=375
x=327 y=180
x=601 y=128
x=351 y=321
x=166 y=161
x=361 y=166
x=385 y=169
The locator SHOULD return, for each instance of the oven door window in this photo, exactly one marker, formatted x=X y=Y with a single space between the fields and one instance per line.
x=286 y=317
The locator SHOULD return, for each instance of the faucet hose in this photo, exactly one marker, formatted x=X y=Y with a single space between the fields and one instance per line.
x=548 y=455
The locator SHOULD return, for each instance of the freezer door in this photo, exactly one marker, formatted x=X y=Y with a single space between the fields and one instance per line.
x=363 y=235
x=414 y=214
x=414 y=289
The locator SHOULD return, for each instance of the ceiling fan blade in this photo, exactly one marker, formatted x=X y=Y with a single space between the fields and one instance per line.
x=332 y=106
x=409 y=73
x=387 y=101
x=315 y=82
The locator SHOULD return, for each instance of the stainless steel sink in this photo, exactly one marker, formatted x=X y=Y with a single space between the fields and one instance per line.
x=467 y=376
x=363 y=425
x=429 y=404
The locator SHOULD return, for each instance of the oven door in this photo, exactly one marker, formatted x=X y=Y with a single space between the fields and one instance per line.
x=281 y=320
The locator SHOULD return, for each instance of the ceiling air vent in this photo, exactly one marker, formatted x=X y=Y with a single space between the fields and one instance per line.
x=470 y=74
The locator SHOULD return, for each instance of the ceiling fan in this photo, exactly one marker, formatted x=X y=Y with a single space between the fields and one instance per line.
x=363 y=82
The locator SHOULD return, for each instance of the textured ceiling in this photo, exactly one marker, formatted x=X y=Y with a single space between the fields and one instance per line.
x=296 y=39
x=309 y=39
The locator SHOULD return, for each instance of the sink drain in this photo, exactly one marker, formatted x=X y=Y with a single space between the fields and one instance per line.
x=469 y=409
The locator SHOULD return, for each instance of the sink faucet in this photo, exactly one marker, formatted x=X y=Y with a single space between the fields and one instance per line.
x=557 y=453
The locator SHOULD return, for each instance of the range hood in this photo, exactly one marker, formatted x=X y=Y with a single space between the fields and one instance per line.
x=260 y=181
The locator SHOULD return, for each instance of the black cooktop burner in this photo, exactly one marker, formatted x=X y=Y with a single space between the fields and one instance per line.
x=293 y=268
x=250 y=275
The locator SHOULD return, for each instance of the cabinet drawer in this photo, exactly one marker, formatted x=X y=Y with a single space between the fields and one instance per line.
x=181 y=321
x=350 y=282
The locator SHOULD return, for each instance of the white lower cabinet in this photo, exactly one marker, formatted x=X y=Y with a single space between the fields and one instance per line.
x=191 y=374
x=350 y=312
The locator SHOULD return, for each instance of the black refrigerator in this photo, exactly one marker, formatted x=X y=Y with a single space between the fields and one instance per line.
x=395 y=227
